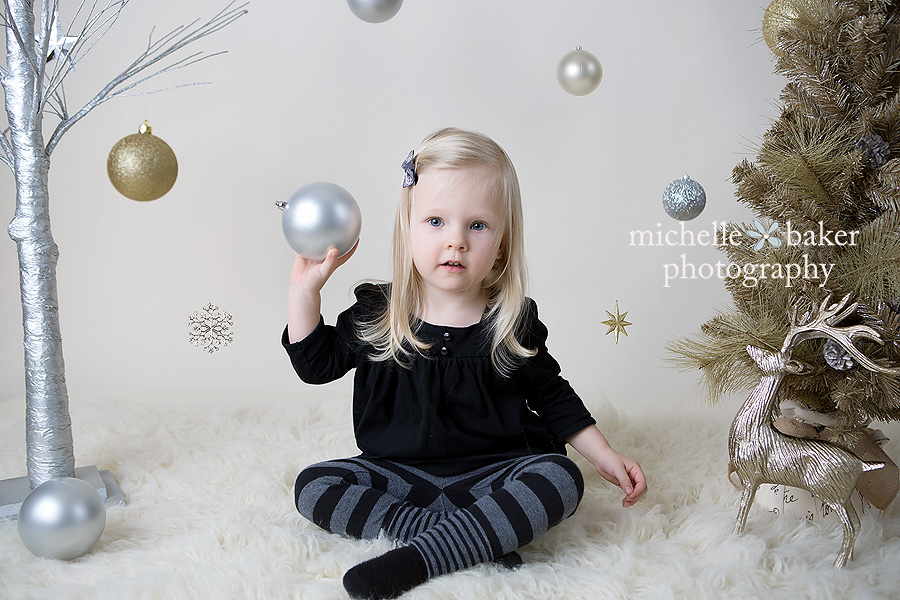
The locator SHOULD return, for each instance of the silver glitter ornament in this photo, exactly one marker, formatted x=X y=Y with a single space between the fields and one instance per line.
x=579 y=72
x=684 y=199
x=318 y=216
x=61 y=518
x=374 y=11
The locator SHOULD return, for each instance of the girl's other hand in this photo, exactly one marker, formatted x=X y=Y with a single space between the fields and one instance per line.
x=625 y=473
x=612 y=466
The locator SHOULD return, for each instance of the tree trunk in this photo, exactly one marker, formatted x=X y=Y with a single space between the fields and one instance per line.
x=47 y=423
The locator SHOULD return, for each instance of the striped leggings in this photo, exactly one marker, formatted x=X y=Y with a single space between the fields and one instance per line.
x=455 y=522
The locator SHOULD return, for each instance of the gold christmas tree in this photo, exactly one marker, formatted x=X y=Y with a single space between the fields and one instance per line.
x=830 y=164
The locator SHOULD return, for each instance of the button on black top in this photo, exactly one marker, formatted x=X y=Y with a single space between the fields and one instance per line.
x=447 y=336
x=444 y=351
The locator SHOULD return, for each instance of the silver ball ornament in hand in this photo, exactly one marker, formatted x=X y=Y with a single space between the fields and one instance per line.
x=318 y=216
x=61 y=518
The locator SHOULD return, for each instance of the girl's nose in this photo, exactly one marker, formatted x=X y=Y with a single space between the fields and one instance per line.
x=456 y=242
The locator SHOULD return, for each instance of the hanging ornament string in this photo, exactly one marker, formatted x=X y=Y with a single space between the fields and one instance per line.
x=684 y=199
x=690 y=124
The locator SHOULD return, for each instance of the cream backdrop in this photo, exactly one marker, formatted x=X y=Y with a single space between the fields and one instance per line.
x=308 y=92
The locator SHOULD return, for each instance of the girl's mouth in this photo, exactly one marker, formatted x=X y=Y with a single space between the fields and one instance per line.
x=453 y=266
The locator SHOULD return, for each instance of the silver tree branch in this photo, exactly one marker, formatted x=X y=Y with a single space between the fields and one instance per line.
x=154 y=53
x=94 y=29
x=6 y=157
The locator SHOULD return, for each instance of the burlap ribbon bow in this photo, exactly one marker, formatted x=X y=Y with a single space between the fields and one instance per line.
x=880 y=486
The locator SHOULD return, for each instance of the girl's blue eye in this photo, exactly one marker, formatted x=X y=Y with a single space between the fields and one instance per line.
x=479 y=226
x=435 y=221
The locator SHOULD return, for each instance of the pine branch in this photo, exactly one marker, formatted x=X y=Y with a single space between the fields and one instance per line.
x=820 y=80
x=871 y=268
x=874 y=80
x=885 y=192
x=720 y=351
x=884 y=120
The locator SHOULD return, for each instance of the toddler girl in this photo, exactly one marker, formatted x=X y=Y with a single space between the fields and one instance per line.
x=458 y=408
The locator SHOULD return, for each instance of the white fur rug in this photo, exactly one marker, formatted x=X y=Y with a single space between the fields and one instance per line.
x=208 y=483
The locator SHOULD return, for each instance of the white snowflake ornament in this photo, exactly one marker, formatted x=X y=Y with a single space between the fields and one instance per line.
x=210 y=328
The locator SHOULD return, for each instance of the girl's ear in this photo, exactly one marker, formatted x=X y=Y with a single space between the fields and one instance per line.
x=499 y=260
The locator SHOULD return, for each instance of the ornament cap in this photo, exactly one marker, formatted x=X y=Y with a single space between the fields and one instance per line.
x=145 y=128
x=281 y=205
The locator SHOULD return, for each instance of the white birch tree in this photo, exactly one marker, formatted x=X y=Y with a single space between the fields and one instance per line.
x=40 y=54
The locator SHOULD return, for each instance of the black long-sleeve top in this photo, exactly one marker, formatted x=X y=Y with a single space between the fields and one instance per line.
x=451 y=412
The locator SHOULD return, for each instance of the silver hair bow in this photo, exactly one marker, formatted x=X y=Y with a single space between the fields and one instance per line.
x=409 y=166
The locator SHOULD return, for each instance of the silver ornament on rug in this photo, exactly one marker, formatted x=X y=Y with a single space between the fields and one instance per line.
x=579 y=72
x=62 y=518
x=318 y=216
x=684 y=199
x=374 y=11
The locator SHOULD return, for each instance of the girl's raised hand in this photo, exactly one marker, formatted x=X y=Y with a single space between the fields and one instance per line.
x=310 y=275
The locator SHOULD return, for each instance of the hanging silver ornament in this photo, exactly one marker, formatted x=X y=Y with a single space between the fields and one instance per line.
x=142 y=166
x=318 y=216
x=374 y=11
x=62 y=518
x=684 y=199
x=579 y=72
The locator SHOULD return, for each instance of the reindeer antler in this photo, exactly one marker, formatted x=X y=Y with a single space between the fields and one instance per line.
x=823 y=323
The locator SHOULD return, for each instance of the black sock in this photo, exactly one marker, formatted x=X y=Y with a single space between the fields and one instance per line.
x=510 y=561
x=387 y=576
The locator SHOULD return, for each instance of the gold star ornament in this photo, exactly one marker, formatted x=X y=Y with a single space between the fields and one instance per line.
x=616 y=322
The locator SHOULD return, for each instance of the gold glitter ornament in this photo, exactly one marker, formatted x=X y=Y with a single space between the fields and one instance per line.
x=780 y=16
x=142 y=166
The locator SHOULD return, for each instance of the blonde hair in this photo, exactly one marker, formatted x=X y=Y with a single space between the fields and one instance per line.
x=393 y=332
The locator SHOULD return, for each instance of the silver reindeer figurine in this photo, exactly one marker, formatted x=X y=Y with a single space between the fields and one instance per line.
x=762 y=454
